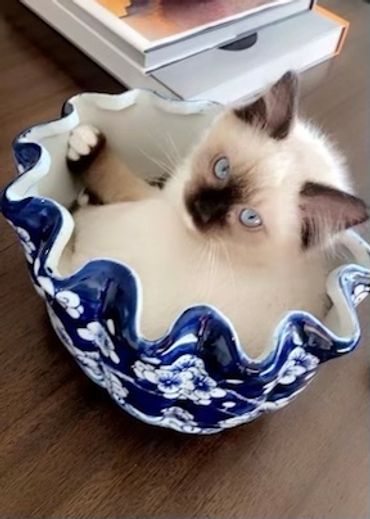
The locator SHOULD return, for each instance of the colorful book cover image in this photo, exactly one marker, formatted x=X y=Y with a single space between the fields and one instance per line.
x=160 y=19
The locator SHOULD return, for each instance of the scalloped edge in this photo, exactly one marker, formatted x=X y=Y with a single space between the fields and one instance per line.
x=18 y=190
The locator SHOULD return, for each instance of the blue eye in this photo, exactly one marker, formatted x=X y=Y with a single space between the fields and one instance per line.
x=221 y=168
x=250 y=218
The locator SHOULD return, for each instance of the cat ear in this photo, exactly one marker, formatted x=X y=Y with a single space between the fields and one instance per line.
x=326 y=211
x=274 y=111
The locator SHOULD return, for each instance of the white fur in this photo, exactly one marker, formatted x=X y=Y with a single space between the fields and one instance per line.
x=81 y=141
x=254 y=278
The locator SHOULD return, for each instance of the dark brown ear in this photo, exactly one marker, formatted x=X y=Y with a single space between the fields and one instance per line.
x=326 y=211
x=274 y=111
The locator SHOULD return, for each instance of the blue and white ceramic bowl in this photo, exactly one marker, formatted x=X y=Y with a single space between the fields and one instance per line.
x=197 y=378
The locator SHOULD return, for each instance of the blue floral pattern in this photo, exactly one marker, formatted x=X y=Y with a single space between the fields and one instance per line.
x=115 y=386
x=197 y=378
x=96 y=334
x=89 y=361
x=180 y=420
x=299 y=363
x=29 y=247
x=185 y=379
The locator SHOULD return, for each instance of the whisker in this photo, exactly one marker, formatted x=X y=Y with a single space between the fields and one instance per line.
x=229 y=263
x=161 y=164
x=202 y=257
x=204 y=286
x=170 y=164
x=170 y=153
x=176 y=152
x=213 y=270
x=156 y=144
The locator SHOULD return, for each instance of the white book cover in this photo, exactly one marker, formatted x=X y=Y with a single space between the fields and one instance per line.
x=147 y=24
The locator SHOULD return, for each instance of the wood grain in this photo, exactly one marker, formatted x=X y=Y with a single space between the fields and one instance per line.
x=66 y=450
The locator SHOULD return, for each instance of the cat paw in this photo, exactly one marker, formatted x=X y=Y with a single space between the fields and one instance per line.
x=84 y=145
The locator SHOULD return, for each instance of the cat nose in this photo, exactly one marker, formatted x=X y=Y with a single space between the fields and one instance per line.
x=203 y=211
x=207 y=208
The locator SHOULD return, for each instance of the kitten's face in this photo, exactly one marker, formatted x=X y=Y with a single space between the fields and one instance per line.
x=237 y=188
x=259 y=180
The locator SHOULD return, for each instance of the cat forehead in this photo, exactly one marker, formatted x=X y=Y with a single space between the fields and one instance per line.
x=263 y=162
x=251 y=158
x=229 y=128
x=244 y=145
x=306 y=154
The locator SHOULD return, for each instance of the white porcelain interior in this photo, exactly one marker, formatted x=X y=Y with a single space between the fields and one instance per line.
x=144 y=128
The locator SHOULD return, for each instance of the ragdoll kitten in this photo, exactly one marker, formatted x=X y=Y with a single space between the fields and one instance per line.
x=245 y=224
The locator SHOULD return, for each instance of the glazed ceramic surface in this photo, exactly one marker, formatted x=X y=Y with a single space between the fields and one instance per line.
x=197 y=378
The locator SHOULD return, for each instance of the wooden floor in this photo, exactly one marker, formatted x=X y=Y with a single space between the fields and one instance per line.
x=66 y=450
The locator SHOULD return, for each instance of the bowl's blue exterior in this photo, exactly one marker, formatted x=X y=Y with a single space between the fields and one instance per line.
x=197 y=378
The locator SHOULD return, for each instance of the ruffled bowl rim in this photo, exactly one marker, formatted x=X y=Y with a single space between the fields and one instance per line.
x=38 y=165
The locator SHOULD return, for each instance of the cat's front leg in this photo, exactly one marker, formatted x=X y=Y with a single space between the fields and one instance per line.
x=106 y=177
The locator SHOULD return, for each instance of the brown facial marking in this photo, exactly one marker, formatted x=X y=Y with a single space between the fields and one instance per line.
x=309 y=234
x=255 y=113
x=275 y=111
x=283 y=101
x=321 y=203
x=209 y=206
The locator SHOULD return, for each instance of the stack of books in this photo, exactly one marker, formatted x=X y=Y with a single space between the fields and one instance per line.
x=221 y=50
